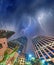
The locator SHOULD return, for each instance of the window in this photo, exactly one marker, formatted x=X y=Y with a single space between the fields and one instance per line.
x=0 y=45
x=4 y=42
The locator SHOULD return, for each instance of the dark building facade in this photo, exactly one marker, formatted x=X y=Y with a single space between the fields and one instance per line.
x=21 y=42
x=43 y=47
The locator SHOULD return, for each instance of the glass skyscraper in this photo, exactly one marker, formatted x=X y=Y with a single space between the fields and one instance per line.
x=43 y=47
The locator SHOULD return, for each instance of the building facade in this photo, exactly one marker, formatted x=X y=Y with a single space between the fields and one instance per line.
x=10 y=55
x=22 y=41
x=21 y=59
x=43 y=47
x=4 y=35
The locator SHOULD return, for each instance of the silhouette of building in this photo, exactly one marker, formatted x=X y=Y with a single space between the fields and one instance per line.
x=43 y=47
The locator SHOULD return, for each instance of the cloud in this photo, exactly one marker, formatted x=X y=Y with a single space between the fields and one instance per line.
x=46 y=20
x=16 y=11
x=18 y=7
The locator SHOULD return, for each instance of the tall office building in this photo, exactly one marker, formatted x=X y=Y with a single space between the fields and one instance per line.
x=21 y=41
x=44 y=47
x=4 y=35
x=10 y=55
x=22 y=49
x=21 y=59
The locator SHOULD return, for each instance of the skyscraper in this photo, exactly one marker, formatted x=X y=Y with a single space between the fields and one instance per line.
x=10 y=55
x=23 y=46
x=22 y=41
x=4 y=35
x=43 y=47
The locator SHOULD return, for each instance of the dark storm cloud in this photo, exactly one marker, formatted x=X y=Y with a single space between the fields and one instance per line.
x=18 y=7
x=13 y=10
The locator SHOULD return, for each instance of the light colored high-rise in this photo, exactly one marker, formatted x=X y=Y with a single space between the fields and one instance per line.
x=44 y=47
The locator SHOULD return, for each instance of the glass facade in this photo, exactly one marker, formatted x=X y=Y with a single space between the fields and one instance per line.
x=44 y=47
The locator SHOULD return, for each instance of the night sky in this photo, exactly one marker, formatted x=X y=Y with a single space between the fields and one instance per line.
x=27 y=17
